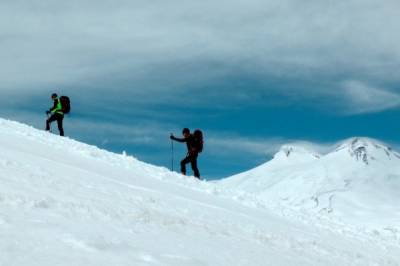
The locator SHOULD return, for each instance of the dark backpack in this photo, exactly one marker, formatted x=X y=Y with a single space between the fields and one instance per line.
x=65 y=104
x=198 y=140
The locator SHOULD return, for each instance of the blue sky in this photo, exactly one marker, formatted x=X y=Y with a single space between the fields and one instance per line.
x=252 y=74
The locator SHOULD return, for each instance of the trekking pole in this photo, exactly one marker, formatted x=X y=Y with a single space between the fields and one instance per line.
x=172 y=155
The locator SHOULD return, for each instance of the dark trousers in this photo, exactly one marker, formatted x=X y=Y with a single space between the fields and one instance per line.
x=192 y=159
x=56 y=117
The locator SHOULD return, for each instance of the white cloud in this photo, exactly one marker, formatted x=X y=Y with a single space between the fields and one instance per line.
x=267 y=147
x=227 y=145
x=170 y=47
x=363 y=98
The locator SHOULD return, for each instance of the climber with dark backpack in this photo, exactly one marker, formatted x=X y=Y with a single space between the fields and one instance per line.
x=65 y=104
x=194 y=143
x=198 y=140
x=60 y=107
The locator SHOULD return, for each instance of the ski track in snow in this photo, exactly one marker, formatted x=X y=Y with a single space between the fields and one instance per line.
x=92 y=207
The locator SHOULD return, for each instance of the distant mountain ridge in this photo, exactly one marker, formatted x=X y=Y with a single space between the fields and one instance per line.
x=358 y=177
x=358 y=147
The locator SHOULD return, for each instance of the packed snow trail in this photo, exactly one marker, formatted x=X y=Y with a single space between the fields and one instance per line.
x=67 y=203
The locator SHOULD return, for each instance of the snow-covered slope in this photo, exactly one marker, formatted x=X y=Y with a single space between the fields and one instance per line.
x=66 y=203
x=358 y=182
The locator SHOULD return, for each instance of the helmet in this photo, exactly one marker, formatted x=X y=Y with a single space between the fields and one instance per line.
x=54 y=95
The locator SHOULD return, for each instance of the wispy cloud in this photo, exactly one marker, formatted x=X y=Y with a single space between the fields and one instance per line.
x=156 y=48
x=265 y=147
x=237 y=145
x=149 y=136
x=363 y=98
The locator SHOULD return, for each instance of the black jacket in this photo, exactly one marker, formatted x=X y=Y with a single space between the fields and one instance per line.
x=190 y=143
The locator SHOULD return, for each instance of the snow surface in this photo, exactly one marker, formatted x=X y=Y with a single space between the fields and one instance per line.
x=67 y=203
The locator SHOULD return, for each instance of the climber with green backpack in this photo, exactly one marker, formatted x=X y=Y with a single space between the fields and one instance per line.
x=60 y=107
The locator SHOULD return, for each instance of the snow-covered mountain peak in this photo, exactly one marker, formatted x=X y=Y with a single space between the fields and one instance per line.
x=296 y=152
x=357 y=142
x=290 y=149
x=357 y=181
x=366 y=150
